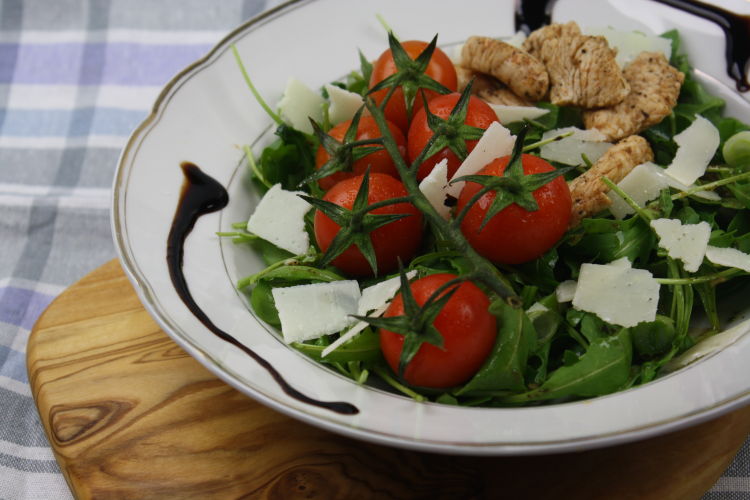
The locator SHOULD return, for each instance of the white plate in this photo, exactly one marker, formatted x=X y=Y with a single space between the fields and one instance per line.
x=206 y=113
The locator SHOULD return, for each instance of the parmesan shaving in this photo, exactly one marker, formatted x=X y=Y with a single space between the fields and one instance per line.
x=729 y=257
x=569 y=150
x=311 y=311
x=344 y=104
x=617 y=293
x=697 y=145
x=686 y=242
x=496 y=142
x=510 y=114
x=642 y=184
x=280 y=219
x=298 y=104
x=374 y=298
x=435 y=188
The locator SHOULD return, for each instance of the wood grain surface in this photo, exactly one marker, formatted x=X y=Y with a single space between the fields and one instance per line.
x=131 y=415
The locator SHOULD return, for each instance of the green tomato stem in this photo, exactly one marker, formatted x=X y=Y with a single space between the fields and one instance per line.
x=484 y=271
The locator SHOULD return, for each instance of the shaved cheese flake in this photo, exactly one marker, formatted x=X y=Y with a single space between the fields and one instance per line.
x=623 y=262
x=617 y=294
x=344 y=104
x=728 y=257
x=517 y=39
x=511 y=114
x=697 y=145
x=496 y=142
x=311 y=311
x=280 y=219
x=351 y=333
x=686 y=242
x=375 y=300
x=381 y=293
x=455 y=54
x=566 y=290
x=642 y=184
x=435 y=188
x=590 y=135
x=569 y=150
x=537 y=307
x=631 y=43
x=298 y=104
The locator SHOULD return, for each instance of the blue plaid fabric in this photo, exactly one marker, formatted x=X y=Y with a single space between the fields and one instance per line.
x=76 y=77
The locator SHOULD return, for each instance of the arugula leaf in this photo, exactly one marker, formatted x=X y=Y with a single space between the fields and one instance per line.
x=271 y=253
x=364 y=347
x=301 y=274
x=606 y=240
x=540 y=271
x=263 y=304
x=288 y=160
x=504 y=368
x=602 y=369
x=677 y=58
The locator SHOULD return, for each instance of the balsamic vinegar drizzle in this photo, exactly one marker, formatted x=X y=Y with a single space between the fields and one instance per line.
x=201 y=195
x=533 y=14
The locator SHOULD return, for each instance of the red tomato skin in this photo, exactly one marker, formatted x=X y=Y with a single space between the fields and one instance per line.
x=479 y=114
x=468 y=330
x=399 y=239
x=379 y=161
x=440 y=69
x=515 y=236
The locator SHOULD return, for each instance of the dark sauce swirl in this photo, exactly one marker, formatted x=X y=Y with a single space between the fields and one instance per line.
x=201 y=195
x=533 y=14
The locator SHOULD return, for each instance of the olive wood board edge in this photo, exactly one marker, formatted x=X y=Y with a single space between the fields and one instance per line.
x=129 y=414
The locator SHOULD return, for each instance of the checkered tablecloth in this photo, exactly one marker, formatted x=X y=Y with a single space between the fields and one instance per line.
x=76 y=77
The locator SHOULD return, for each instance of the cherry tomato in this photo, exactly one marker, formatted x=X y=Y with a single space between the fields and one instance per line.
x=468 y=331
x=440 y=68
x=479 y=114
x=379 y=161
x=399 y=239
x=514 y=235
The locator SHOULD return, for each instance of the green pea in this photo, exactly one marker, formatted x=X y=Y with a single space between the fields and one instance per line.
x=736 y=150
x=654 y=337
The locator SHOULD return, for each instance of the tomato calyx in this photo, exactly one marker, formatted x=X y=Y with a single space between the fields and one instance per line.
x=451 y=132
x=512 y=187
x=410 y=74
x=417 y=322
x=356 y=224
x=343 y=153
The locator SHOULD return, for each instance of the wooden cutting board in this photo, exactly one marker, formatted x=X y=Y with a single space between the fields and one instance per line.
x=130 y=415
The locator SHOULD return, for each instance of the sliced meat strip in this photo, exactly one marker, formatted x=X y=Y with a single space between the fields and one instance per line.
x=488 y=88
x=524 y=75
x=654 y=89
x=589 y=193
x=582 y=69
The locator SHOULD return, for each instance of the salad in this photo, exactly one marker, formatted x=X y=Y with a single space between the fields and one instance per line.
x=538 y=220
